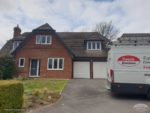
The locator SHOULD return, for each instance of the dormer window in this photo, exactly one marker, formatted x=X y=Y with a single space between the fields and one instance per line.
x=15 y=45
x=43 y=39
x=93 y=45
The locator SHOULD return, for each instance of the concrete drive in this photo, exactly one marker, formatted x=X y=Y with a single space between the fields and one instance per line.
x=91 y=96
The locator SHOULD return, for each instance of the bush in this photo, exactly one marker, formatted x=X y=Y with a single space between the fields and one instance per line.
x=7 y=67
x=11 y=96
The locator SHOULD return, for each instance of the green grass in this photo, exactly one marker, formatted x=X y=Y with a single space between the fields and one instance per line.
x=37 y=91
x=50 y=84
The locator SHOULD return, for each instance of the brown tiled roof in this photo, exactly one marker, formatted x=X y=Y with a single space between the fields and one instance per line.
x=44 y=27
x=21 y=37
x=6 y=49
x=76 y=42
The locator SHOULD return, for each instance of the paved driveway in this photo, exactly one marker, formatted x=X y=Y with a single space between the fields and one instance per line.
x=91 y=96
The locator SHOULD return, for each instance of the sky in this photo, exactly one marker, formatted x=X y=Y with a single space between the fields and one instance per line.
x=129 y=16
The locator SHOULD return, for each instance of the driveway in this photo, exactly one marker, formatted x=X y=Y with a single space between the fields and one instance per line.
x=91 y=96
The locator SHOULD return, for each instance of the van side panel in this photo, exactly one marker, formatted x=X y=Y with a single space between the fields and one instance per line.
x=128 y=76
x=131 y=67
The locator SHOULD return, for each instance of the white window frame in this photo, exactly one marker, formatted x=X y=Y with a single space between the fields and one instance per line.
x=38 y=66
x=57 y=64
x=96 y=43
x=20 y=62
x=15 y=45
x=46 y=37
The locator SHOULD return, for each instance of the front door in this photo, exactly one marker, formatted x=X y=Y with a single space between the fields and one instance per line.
x=34 y=67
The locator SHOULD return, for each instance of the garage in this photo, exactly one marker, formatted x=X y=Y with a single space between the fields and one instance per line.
x=81 y=69
x=99 y=70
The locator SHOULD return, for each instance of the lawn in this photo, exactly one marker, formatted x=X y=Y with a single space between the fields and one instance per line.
x=39 y=92
x=50 y=84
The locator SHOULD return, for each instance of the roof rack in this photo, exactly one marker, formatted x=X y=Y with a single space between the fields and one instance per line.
x=134 y=38
x=132 y=43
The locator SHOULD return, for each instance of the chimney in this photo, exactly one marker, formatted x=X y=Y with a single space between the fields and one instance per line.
x=17 y=31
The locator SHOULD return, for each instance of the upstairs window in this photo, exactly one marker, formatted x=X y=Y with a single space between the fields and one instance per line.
x=43 y=39
x=93 y=45
x=15 y=45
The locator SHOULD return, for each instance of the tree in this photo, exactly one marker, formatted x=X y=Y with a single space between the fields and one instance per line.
x=7 y=68
x=106 y=29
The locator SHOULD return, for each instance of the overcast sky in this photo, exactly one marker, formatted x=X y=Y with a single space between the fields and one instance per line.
x=73 y=15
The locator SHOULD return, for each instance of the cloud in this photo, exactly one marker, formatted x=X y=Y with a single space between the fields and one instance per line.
x=73 y=15
x=136 y=15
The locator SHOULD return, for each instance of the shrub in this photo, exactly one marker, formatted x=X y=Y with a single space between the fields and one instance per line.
x=40 y=97
x=7 y=67
x=11 y=96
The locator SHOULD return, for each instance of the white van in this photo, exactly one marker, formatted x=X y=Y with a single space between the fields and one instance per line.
x=128 y=69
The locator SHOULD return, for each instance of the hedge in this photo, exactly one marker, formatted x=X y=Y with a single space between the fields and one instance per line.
x=11 y=96
x=8 y=69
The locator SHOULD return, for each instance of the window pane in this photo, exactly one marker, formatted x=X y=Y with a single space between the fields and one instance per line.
x=93 y=45
x=43 y=39
x=48 y=39
x=98 y=45
x=21 y=62
x=50 y=64
x=15 y=44
x=60 y=63
x=37 y=39
x=89 y=45
x=55 y=63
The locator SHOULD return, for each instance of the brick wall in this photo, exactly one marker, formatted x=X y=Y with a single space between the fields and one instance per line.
x=42 y=52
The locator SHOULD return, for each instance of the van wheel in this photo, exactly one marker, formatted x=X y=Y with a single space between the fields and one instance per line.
x=148 y=95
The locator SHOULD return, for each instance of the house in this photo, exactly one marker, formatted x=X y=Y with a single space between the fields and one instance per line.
x=47 y=53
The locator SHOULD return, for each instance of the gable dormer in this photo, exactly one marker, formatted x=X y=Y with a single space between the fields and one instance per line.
x=16 y=43
x=43 y=34
x=43 y=29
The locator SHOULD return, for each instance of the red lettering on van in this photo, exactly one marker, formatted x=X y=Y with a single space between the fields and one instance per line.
x=128 y=60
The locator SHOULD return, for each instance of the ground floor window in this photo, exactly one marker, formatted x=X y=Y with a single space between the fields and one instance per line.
x=21 y=62
x=55 y=63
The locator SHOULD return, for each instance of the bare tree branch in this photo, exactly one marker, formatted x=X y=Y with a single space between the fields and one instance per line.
x=107 y=29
